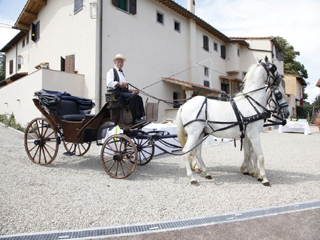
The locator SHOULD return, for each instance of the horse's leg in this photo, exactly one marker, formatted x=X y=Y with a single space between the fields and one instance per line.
x=194 y=163
x=256 y=144
x=200 y=160
x=246 y=161
x=254 y=170
x=187 y=160
x=190 y=144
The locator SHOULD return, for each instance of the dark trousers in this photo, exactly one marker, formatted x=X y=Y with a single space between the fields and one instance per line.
x=135 y=104
x=134 y=101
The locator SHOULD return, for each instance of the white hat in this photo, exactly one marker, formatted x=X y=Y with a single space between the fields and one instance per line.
x=119 y=56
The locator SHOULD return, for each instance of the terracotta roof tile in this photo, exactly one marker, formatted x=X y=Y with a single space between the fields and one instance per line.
x=173 y=80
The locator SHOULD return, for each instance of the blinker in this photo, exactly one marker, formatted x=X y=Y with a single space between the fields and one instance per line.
x=278 y=96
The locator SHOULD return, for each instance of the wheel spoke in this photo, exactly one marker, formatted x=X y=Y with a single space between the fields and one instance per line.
x=40 y=141
x=118 y=151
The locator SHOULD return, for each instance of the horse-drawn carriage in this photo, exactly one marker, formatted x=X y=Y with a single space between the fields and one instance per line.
x=67 y=119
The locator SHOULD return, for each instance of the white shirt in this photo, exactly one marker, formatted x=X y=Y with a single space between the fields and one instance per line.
x=110 y=78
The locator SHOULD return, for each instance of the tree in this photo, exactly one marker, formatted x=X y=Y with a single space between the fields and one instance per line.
x=2 y=66
x=291 y=66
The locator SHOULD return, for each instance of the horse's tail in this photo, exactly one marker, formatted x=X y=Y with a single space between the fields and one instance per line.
x=181 y=132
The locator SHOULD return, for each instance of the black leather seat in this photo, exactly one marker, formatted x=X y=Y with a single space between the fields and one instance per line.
x=69 y=111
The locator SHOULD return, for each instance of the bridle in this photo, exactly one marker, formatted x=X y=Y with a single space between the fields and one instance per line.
x=275 y=96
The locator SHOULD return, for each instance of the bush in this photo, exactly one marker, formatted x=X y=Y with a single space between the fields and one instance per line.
x=304 y=112
x=11 y=122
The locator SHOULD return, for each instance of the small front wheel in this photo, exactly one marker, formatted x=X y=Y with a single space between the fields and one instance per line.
x=145 y=150
x=119 y=156
x=41 y=141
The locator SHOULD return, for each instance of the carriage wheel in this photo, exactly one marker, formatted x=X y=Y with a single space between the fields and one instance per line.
x=145 y=150
x=78 y=148
x=119 y=156
x=41 y=142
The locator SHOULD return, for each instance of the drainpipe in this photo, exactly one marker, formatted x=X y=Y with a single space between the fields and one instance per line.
x=100 y=56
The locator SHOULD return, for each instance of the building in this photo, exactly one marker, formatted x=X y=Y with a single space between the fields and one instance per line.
x=172 y=53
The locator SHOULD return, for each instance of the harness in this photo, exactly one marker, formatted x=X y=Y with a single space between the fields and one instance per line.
x=242 y=121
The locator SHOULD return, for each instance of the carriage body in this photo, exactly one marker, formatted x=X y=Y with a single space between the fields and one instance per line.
x=68 y=120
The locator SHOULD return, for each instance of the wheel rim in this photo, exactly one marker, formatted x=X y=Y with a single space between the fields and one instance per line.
x=40 y=141
x=119 y=156
x=79 y=148
x=145 y=151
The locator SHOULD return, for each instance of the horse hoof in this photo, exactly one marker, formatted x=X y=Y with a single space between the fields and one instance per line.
x=197 y=170
x=245 y=173
x=259 y=179
x=208 y=177
x=195 y=183
x=267 y=184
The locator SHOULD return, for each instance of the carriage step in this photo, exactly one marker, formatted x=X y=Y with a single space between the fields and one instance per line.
x=68 y=154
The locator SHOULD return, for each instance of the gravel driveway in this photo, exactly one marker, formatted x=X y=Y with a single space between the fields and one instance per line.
x=76 y=193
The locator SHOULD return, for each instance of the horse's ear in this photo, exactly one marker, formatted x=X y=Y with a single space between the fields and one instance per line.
x=266 y=59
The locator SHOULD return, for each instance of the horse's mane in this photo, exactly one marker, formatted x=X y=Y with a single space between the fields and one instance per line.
x=250 y=74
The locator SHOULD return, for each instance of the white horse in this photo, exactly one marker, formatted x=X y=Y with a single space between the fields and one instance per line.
x=200 y=116
x=277 y=104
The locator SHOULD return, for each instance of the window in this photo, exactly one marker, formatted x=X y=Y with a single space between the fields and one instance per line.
x=70 y=63
x=206 y=42
x=11 y=66
x=35 y=31
x=279 y=55
x=27 y=39
x=225 y=87
x=215 y=46
x=160 y=17
x=20 y=61
x=206 y=83
x=62 y=64
x=175 y=100
x=78 y=5
x=223 y=52
x=238 y=52
x=126 y=5
x=206 y=71
x=23 y=43
x=177 y=25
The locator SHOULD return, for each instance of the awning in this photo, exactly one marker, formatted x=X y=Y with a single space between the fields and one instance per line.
x=193 y=86
x=14 y=41
x=29 y=14
x=230 y=78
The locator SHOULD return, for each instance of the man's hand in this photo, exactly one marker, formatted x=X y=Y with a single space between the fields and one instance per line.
x=124 y=84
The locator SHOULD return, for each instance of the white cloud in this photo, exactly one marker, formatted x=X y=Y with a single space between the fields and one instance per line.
x=6 y=32
x=312 y=93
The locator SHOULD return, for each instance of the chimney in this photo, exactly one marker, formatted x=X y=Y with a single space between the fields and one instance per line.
x=191 y=6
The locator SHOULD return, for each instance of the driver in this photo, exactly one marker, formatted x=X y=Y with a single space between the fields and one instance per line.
x=116 y=80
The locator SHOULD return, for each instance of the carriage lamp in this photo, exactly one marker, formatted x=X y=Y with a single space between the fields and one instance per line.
x=93 y=10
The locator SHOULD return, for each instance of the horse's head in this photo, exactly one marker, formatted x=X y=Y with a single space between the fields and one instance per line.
x=276 y=98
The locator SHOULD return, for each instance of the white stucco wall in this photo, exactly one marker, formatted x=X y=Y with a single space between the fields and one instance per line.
x=17 y=97
x=154 y=50
x=63 y=33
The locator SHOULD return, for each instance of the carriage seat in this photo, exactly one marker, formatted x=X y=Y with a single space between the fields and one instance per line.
x=69 y=111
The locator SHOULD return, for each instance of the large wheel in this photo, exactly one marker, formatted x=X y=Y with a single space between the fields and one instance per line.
x=41 y=141
x=145 y=150
x=119 y=156
x=79 y=149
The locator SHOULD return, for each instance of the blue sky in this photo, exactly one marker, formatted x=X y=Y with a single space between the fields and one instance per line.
x=295 y=20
